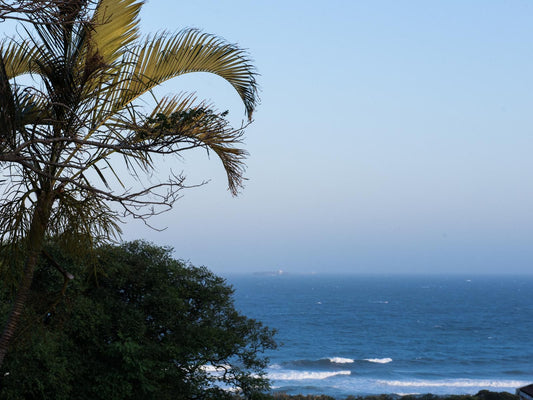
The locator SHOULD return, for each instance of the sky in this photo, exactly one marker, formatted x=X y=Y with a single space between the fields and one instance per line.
x=392 y=137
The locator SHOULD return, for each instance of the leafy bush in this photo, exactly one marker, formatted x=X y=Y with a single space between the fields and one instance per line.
x=135 y=324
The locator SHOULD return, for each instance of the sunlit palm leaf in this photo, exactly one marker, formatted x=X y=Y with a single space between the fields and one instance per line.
x=18 y=108
x=19 y=57
x=115 y=26
x=167 y=56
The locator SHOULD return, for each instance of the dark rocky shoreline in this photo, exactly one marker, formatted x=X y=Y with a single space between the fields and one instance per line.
x=482 y=395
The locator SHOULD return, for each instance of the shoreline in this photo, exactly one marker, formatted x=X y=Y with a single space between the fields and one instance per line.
x=481 y=395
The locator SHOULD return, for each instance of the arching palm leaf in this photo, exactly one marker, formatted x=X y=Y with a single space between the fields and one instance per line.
x=18 y=57
x=167 y=56
x=114 y=27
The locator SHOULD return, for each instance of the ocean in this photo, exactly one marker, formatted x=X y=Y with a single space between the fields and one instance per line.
x=359 y=335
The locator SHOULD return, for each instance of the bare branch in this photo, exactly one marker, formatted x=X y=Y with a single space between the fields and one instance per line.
x=67 y=275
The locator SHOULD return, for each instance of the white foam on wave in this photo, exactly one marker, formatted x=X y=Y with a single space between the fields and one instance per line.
x=341 y=360
x=304 y=375
x=379 y=360
x=459 y=383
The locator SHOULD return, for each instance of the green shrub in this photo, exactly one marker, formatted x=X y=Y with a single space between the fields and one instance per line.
x=144 y=326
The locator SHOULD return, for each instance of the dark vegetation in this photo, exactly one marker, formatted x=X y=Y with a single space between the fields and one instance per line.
x=133 y=324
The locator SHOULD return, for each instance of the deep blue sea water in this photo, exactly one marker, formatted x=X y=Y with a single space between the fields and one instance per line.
x=345 y=335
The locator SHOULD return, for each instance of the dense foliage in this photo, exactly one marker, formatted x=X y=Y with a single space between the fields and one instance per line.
x=144 y=326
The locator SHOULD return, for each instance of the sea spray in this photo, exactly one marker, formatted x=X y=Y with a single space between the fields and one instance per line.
x=379 y=360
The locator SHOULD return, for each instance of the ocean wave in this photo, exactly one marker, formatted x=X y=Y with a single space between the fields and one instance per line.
x=341 y=360
x=379 y=360
x=459 y=383
x=331 y=362
x=321 y=363
x=303 y=375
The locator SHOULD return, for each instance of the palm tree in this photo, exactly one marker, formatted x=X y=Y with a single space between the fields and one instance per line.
x=63 y=134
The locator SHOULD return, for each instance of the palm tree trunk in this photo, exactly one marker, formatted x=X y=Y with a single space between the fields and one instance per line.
x=35 y=242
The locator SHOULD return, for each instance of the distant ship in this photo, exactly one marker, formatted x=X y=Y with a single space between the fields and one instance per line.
x=271 y=273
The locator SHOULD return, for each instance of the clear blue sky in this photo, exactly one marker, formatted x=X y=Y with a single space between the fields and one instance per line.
x=393 y=136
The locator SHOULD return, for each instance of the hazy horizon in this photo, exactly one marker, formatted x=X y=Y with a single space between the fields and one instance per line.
x=347 y=272
x=392 y=137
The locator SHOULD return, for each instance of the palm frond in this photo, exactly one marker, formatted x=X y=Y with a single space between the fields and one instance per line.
x=19 y=57
x=7 y=106
x=166 y=56
x=176 y=122
x=114 y=28
x=84 y=214
x=18 y=108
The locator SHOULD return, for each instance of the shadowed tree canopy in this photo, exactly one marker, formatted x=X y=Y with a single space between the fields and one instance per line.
x=71 y=121
x=152 y=327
